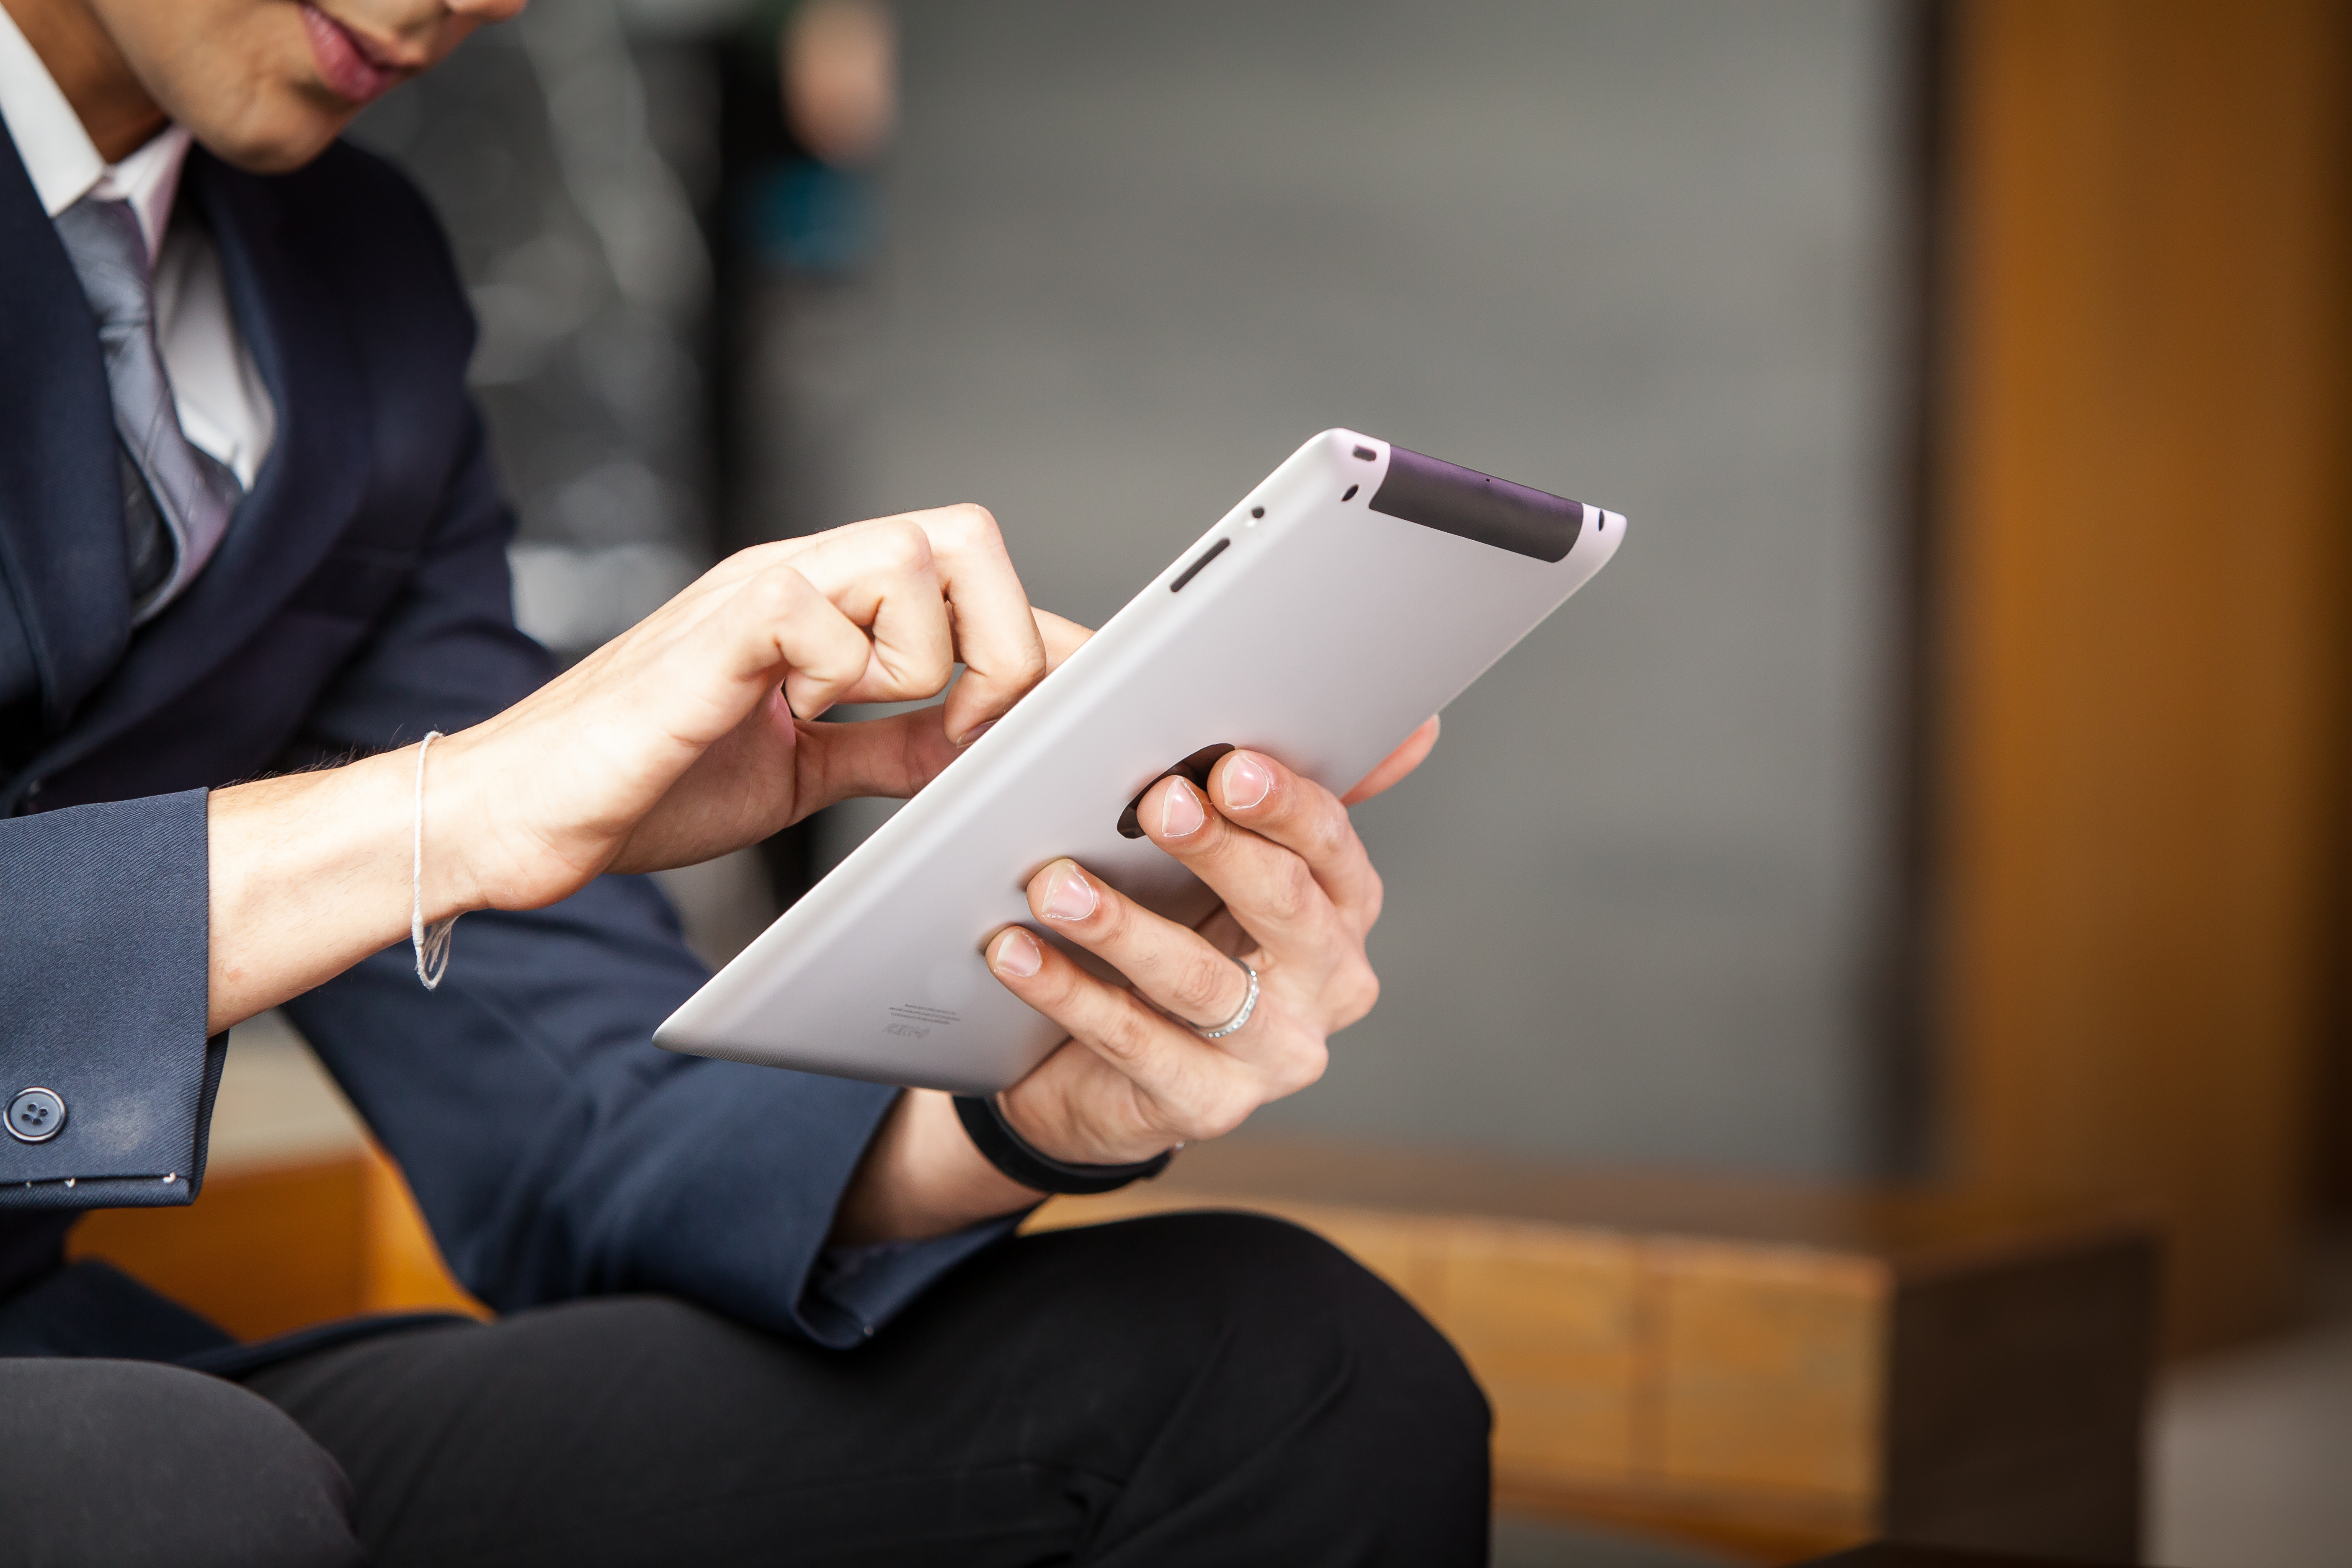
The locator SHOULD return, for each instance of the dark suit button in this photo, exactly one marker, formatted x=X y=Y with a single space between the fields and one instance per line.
x=36 y=1115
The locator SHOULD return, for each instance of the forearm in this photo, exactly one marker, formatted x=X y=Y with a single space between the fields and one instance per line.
x=922 y=1178
x=310 y=873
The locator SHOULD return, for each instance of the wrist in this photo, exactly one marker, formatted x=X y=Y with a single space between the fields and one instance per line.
x=993 y=1134
x=922 y=1177
x=448 y=827
x=309 y=872
x=1045 y=1119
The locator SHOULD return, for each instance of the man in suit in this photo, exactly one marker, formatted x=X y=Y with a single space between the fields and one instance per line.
x=248 y=532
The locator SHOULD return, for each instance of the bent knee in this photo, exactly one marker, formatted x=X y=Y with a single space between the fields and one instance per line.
x=1298 y=1299
x=1328 y=1400
x=1399 y=1356
x=132 y=1462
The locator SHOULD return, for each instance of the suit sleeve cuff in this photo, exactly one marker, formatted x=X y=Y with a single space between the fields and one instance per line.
x=855 y=1290
x=104 y=984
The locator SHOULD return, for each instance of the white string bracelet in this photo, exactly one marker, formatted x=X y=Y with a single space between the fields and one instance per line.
x=431 y=943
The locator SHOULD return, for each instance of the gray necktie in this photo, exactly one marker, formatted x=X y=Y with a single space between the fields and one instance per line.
x=176 y=500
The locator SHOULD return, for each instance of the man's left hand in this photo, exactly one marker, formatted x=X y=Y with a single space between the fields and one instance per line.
x=1300 y=897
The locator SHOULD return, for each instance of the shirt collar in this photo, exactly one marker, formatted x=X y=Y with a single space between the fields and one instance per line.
x=61 y=158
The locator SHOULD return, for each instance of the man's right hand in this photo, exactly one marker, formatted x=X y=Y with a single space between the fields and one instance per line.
x=692 y=734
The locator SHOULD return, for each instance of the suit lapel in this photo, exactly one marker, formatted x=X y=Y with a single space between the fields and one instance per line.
x=308 y=487
x=62 y=547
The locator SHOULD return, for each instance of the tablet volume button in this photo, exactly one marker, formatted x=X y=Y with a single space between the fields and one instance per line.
x=1193 y=571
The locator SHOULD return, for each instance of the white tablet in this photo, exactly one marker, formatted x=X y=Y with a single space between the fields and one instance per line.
x=1352 y=595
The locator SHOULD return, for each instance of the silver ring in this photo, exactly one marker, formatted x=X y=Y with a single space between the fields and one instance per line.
x=1249 y=1006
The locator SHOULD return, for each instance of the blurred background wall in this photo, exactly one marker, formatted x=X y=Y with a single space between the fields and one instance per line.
x=1946 y=778
x=1641 y=252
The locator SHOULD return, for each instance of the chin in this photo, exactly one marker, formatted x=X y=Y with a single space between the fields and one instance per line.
x=272 y=138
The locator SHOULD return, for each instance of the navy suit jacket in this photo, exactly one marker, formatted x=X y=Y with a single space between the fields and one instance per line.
x=360 y=597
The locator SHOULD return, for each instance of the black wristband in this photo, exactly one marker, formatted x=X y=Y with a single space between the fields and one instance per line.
x=1010 y=1152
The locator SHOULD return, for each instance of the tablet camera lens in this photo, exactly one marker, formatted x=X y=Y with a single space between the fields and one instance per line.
x=1256 y=513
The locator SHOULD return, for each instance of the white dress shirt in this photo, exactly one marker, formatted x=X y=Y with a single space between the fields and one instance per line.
x=223 y=407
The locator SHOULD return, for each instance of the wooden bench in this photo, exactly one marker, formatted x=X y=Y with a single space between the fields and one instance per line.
x=1768 y=1367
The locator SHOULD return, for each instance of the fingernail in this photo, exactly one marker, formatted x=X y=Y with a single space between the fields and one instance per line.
x=1016 y=953
x=1247 y=781
x=1180 y=810
x=976 y=732
x=1068 y=895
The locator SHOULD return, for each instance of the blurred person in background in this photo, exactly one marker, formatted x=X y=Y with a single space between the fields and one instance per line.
x=249 y=531
x=809 y=106
x=839 y=66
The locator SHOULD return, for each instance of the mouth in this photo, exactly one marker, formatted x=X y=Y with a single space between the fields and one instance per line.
x=356 y=69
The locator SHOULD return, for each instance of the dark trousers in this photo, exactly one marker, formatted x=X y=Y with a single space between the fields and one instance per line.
x=1192 y=1389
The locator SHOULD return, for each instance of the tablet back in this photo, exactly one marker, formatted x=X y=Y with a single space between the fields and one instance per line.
x=1347 y=598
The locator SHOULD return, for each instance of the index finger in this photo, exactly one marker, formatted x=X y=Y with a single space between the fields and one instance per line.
x=996 y=635
x=1062 y=635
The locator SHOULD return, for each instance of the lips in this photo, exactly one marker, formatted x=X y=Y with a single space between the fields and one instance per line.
x=353 y=70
